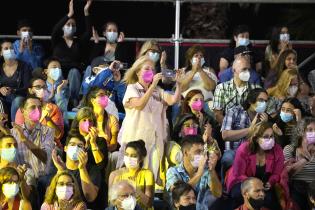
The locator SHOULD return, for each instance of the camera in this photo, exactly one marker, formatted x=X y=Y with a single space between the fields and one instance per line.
x=169 y=73
x=120 y=65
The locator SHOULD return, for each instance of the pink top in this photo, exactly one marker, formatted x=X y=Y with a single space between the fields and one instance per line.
x=55 y=115
x=245 y=166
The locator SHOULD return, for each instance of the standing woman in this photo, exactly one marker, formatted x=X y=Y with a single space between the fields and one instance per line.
x=145 y=104
x=14 y=78
x=10 y=198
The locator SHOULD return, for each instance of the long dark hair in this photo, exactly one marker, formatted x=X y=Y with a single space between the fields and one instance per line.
x=185 y=107
x=139 y=146
x=252 y=97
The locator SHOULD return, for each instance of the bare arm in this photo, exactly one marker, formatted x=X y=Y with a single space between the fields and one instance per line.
x=234 y=135
x=208 y=83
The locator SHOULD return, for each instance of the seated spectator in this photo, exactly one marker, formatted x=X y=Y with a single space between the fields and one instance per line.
x=9 y=184
x=4 y=129
x=133 y=172
x=70 y=50
x=51 y=115
x=107 y=124
x=25 y=48
x=262 y=158
x=35 y=143
x=196 y=170
x=63 y=193
x=286 y=60
x=87 y=176
x=279 y=41
x=240 y=37
x=183 y=196
x=227 y=74
x=300 y=160
x=237 y=122
x=291 y=113
x=198 y=76
x=311 y=194
x=14 y=78
x=122 y=195
x=58 y=91
x=231 y=93
x=253 y=193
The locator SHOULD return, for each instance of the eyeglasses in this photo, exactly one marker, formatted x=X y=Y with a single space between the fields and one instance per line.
x=190 y=125
x=68 y=184
x=38 y=87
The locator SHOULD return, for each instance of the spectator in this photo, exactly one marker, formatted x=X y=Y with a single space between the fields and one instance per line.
x=70 y=50
x=240 y=38
x=196 y=170
x=107 y=124
x=279 y=41
x=260 y=157
x=63 y=193
x=14 y=78
x=299 y=157
x=197 y=75
x=286 y=60
x=122 y=196
x=133 y=172
x=227 y=74
x=51 y=115
x=145 y=106
x=253 y=194
x=291 y=113
x=4 y=129
x=183 y=195
x=25 y=48
x=87 y=176
x=9 y=185
x=230 y=94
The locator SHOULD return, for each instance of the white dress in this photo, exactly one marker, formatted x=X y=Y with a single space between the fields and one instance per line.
x=149 y=124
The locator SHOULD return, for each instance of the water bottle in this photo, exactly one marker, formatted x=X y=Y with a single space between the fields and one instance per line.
x=227 y=145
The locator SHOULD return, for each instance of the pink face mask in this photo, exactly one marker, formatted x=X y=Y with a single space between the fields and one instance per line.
x=310 y=137
x=34 y=115
x=190 y=131
x=103 y=101
x=147 y=76
x=84 y=126
x=267 y=144
x=197 y=105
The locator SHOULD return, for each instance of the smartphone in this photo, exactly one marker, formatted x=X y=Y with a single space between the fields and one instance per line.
x=168 y=73
x=120 y=66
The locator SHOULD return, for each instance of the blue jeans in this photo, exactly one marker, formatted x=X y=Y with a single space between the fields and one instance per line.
x=87 y=73
x=226 y=162
x=74 y=78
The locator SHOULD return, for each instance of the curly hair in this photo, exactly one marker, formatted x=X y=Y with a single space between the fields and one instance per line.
x=190 y=54
x=279 y=65
x=51 y=197
x=299 y=131
x=256 y=132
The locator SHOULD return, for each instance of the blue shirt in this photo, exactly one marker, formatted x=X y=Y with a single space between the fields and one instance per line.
x=227 y=75
x=102 y=80
x=34 y=58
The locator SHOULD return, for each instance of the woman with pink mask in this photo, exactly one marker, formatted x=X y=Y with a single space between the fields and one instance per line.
x=145 y=104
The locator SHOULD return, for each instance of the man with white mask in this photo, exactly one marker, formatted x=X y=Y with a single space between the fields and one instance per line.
x=122 y=197
x=198 y=170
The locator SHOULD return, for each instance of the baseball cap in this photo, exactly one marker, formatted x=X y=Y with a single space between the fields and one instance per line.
x=100 y=60
x=242 y=49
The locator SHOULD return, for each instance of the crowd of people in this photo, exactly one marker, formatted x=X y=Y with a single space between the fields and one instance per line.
x=82 y=129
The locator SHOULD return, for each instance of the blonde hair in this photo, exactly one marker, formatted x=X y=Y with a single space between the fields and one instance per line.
x=148 y=45
x=282 y=86
x=131 y=75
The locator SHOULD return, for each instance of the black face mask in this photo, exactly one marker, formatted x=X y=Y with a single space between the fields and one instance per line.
x=190 y=207
x=256 y=203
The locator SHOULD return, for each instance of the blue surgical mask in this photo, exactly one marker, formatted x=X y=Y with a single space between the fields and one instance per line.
x=261 y=107
x=69 y=30
x=54 y=73
x=73 y=152
x=243 y=42
x=194 y=60
x=8 y=54
x=286 y=117
x=111 y=36
x=154 y=56
x=8 y=154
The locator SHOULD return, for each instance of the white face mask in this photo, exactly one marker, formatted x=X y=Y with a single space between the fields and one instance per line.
x=8 y=54
x=111 y=36
x=244 y=76
x=194 y=61
x=54 y=73
x=129 y=203
x=154 y=56
x=69 y=30
x=131 y=162
x=64 y=192
x=10 y=190
x=284 y=37
x=195 y=162
x=293 y=90
x=26 y=35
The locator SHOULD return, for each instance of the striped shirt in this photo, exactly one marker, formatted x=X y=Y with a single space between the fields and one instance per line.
x=43 y=137
x=307 y=173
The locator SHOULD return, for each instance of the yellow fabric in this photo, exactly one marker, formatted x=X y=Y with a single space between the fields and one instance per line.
x=110 y=131
x=143 y=179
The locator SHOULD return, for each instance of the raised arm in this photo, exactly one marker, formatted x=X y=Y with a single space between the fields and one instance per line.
x=88 y=24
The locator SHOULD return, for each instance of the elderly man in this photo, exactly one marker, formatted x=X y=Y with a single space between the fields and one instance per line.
x=122 y=197
x=253 y=194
